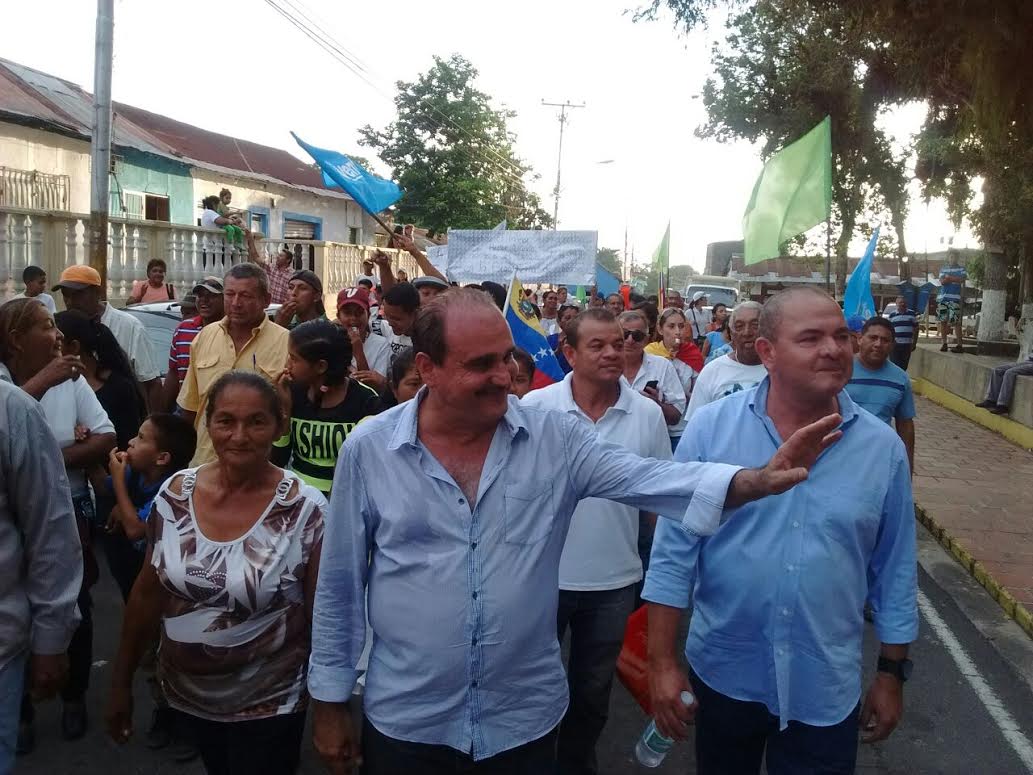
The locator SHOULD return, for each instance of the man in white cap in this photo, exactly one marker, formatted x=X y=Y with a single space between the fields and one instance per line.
x=698 y=317
x=429 y=287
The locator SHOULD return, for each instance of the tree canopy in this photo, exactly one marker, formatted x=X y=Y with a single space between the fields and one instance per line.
x=452 y=153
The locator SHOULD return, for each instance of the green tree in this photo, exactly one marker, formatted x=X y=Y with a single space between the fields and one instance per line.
x=452 y=153
x=609 y=259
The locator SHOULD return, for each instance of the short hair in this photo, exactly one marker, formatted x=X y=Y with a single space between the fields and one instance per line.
x=31 y=273
x=403 y=295
x=225 y=191
x=249 y=271
x=404 y=360
x=771 y=313
x=878 y=321
x=176 y=435
x=156 y=262
x=428 y=331
x=619 y=297
x=321 y=340
x=366 y=282
x=633 y=314
x=248 y=379
x=741 y=307
x=524 y=361
x=598 y=314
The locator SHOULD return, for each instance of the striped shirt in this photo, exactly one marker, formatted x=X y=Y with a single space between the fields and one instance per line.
x=951 y=291
x=903 y=326
x=179 y=352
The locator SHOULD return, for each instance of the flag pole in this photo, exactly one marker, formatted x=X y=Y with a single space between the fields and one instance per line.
x=828 y=256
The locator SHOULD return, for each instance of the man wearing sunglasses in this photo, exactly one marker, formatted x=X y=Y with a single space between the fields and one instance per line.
x=651 y=375
x=740 y=369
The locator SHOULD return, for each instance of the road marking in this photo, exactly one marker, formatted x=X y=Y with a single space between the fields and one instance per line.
x=1011 y=731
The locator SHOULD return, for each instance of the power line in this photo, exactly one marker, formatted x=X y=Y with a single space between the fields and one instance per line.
x=354 y=64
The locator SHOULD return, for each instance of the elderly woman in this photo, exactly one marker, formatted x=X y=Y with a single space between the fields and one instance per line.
x=31 y=357
x=230 y=576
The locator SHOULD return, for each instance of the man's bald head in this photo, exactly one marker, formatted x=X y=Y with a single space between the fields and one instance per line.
x=772 y=314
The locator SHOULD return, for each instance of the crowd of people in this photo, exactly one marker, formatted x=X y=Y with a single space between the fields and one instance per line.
x=374 y=496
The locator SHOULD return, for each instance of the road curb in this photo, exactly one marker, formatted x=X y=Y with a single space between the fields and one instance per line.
x=1012 y=607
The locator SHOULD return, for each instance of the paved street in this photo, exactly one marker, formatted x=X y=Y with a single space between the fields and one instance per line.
x=948 y=727
x=978 y=486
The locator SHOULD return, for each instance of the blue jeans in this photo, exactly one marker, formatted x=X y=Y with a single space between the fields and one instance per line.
x=732 y=735
x=596 y=621
x=12 y=676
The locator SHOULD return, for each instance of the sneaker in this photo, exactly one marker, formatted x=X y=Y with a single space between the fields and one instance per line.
x=160 y=733
x=998 y=409
x=986 y=404
x=74 y=719
x=943 y=347
x=26 y=739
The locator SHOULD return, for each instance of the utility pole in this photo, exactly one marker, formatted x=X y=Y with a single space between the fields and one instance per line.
x=563 y=106
x=100 y=141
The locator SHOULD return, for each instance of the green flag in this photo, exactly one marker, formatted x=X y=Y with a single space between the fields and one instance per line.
x=662 y=255
x=792 y=194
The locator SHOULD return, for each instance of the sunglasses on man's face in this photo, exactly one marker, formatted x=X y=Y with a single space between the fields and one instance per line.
x=637 y=336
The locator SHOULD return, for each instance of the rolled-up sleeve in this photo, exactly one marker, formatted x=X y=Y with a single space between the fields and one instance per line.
x=695 y=491
x=41 y=505
x=893 y=569
x=339 y=617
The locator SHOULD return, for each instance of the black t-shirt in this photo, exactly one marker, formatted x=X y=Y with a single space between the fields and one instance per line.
x=121 y=400
x=316 y=434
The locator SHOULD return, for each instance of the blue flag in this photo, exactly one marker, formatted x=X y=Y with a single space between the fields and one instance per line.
x=373 y=194
x=605 y=281
x=857 y=297
x=528 y=335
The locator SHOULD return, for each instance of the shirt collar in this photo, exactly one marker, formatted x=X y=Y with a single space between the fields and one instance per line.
x=406 y=429
x=624 y=397
x=759 y=403
x=225 y=323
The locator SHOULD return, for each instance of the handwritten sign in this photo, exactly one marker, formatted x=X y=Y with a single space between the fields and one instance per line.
x=566 y=257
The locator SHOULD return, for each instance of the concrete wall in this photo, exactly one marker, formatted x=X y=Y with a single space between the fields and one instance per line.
x=28 y=149
x=135 y=171
x=967 y=377
x=337 y=216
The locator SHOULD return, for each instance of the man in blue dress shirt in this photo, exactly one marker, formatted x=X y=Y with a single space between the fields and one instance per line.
x=774 y=645
x=447 y=522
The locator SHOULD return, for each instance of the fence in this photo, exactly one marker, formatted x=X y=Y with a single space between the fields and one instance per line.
x=54 y=240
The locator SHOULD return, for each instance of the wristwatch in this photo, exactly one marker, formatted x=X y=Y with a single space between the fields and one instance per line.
x=898 y=668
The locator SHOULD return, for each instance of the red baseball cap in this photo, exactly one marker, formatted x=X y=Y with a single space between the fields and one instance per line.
x=358 y=296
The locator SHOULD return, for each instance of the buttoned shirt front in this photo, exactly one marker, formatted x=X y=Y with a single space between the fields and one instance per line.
x=213 y=354
x=778 y=590
x=462 y=603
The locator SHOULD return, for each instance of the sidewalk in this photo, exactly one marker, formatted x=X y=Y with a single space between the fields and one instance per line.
x=976 y=489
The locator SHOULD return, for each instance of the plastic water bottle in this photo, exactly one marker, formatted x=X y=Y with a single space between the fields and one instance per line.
x=652 y=747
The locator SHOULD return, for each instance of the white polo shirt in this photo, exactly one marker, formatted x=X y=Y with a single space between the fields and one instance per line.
x=672 y=391
x=132 y=336
x=601 y=551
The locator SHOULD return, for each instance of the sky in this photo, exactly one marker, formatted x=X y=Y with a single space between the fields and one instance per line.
x=241 y=69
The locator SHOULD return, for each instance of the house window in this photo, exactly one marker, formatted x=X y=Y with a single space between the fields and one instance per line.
x=353 y=235
x=258 y=218
x=302 y=227
x=138 y=206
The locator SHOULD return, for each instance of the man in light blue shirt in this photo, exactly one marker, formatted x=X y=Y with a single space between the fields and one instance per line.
x=447 y=522
x=775 y=639
x=882 y=387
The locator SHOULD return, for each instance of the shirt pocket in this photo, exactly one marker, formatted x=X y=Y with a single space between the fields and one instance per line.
x=209 y=368
x=530 y=514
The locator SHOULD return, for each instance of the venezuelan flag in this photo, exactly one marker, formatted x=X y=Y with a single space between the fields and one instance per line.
x=528 y=335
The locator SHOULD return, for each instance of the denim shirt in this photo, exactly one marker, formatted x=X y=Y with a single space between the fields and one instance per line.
x=779 y=588
x=462 y=603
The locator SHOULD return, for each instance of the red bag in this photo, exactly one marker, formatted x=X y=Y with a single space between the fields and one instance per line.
x=632 y=663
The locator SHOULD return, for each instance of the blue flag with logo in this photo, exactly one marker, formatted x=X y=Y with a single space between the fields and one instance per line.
x=857 y=297
x=528 y=335
x=606 y=282
x=372 y=193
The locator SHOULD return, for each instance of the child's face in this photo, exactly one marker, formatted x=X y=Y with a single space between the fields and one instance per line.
x=301 y=371
x=520 y=385
x=143 y=453
x=409 y=386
